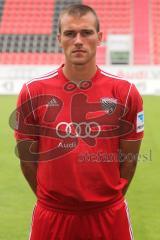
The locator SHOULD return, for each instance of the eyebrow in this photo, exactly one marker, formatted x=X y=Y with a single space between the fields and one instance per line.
x=73 y=30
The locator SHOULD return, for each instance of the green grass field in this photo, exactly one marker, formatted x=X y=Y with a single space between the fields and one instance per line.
x=17 y=200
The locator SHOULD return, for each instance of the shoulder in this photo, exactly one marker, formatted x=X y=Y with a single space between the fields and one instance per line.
x=120 y=85
x=43 y=78
x=40 y=84
x=122 y=88
x=37 y=85
x=113 y=77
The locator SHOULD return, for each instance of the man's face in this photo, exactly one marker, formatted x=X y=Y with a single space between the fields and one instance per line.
x=79 y=38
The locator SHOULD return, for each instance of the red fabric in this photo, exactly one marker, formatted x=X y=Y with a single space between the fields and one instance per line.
x=87 y=174
x=104 y=224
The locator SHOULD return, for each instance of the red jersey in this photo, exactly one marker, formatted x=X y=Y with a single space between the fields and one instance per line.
x=79 y=127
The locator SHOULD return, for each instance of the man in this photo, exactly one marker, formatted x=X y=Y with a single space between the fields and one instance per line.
x=79 y=132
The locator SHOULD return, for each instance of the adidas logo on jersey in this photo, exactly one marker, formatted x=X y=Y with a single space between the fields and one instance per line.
x=53 y=102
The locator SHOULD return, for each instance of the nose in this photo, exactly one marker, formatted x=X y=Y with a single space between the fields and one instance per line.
x=78 y=39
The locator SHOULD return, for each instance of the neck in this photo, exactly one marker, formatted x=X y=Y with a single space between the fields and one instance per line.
x=77 y=73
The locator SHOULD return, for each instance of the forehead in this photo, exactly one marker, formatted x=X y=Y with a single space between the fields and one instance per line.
x=69 y=22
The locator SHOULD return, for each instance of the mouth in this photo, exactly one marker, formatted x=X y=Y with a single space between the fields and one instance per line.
x=78 y=51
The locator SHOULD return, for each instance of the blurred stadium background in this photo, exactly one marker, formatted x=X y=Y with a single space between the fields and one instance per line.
x=131 y=48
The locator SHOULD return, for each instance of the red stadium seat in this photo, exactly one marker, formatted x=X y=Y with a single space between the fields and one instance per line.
x=31 y=24
x=17 y=14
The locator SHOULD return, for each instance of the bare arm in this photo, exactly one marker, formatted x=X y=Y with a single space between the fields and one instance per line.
x=29 y=168
x=129 y=155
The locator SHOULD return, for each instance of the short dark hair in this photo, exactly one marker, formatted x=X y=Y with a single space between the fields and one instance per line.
x=78 y=10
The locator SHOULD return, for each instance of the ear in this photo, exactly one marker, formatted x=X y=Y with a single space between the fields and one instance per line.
x=59 y=39
x=100 y=36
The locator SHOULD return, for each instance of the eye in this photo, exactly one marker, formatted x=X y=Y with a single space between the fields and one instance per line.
x=86 y=33
x=69 y=34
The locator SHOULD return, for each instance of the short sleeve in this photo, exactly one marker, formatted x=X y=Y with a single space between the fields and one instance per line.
x=134 y=114
x=25 y=116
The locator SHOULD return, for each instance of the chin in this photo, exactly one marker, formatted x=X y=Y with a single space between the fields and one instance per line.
x=79 y=62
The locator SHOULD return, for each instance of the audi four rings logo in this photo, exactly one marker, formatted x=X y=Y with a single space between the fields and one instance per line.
x=73 y=129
